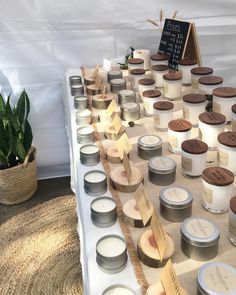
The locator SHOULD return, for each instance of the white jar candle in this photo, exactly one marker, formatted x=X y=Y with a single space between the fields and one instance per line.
x=159 y=58
x=162 y=114
x=143 y=54
x=227 y=150
x=179 y=130
x=232 y=221
x=233 y=117
x=172 y=83
x=135 y=76
x=185 y=66
x=83 y=117
x=197 y=73
x=223 y=100
x=217 y=189
x=193 y=157
x=193 y=106
x=149 y=98
x=208 y=83
x=145 y=84
x=135 y=63
x=210 y=126
x=158 y=71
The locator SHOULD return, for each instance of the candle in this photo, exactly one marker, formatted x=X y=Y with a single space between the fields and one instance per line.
x=149 y=146
x=130 y=111
x=159 y=58
x=118 y=290
x=135 y=76
x=85 y=134
x=158 y=71
x=81 y=102
x=185 y=66
x=208 y=83
x=145 y=84
x=143 y=54
x=233 y=117
x=103 y=205
x=95 y=176
x=117 y=85
x=163 y=114
x=172 y=86
x=197 y=73
x=135 y=63
x=102 y=102
x=155 y=290
x=77 y=89
x=75 y=79
x=114 y=74
x=232 y=221
x=93 y=89
x=95 y=182
x=83 y=117
x=149 y=98
x=126 y=95
x=89 y=155
x=193 y=106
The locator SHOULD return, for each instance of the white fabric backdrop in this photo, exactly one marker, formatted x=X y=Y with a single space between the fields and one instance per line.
x=39 y=40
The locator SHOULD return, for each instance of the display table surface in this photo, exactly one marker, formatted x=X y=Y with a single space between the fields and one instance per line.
x=95 y=281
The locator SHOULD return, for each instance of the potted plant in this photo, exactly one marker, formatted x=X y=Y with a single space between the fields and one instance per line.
x=18 y=173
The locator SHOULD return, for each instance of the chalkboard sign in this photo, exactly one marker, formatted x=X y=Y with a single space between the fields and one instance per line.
x=177 y=38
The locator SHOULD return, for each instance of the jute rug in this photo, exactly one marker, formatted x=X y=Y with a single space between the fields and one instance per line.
x=39 y=251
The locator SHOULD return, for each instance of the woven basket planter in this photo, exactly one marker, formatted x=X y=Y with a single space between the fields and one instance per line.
x=19 y=183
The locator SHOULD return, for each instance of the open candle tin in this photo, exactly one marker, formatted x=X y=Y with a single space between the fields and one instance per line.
x=89 y=155
x=85 y=134
x=149 y=146
x=118 y=290
x=81 y=102
x=95 y=183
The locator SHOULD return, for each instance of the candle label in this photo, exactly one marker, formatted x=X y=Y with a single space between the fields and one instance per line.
x=186 y=163
x=111 y=108
x=117 y=124
x=173 y=141
x=185 y=112
x=207 y=195
x=194 y=83
x=146 y=106
x=223 y=158
x=159 y=234
x=157 y=119
x=127 y=167
x=233 y=123
x=216 y=107
x=170 y=281
x=123 y=145
x=144 y=205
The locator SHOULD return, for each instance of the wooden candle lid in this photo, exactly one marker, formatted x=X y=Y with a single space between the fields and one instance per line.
x=113 y=155
x=194 y=98
x=119 y=181
x=163 y=105
x=218 y=176
x=179 y=125
x=137 y=71
x=201 y=71
x=225 y=92
x=172 y=76
x=146 y=81
x=110 y=132
x=233 y=205
x=151 y=93
x=210 y=80
x=194 y=146
x=148 y=252
x=132 y=216
x=188 y=61
x=160 y=68
x=234 y=108
x=227 y=138
x=135 y=61
x=159 y=56
x=212 y=118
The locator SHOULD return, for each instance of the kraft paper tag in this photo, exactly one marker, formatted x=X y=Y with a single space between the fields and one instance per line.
x=98 y=81
x=172 y=141
x=144 y=205
x=95 y=72
x=207 y=195
x=223 y=158
x=170 y=280
x=112 y=107
x=195 y=83
x=216 y=107
x=127 y=167
x=117 y=124
x=186 y=163
x=159 y=235
x=185 y=112
x=103 y=91
x=233 y=123
x=123 y=144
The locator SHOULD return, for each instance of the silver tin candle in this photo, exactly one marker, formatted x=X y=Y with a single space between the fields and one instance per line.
x=89 y=155
x=135 y=76
x=162 y=114
x=216 y=278
x=126 y=95
x=149 y=98
x=114 y=74
x=199 y=238
x=83 y=117
x=208 y=83
x=232 y=221
x=101 y=103
x=117 y=85
x=111 y=254
x=175 y=203
x=81 y=102
x=158 y=71
x=75 y=79
x=118 y=290
x=77 y=89
x=85 y=134
x=95 y=183
x=197 y=73
x=149 y=146
x=103 y=212
x=130 y=111
x=172 y=83
x=159 y=58
x=185 y=66
x=193 y=105
x=161 y=170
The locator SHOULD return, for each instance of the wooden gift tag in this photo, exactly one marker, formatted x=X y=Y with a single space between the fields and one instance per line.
x=144 y=205
x=98 y=81
x=127 y=167
x=159 y=234
x=111 y=108
x=170 y=280
x=95 y=72
x=103 y=91
x=123 y=144
x=117 y=124
x=83 y=71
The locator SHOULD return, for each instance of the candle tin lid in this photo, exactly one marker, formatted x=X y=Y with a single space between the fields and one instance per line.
x=126 y=93
x=234 y=108
x=151 y=93
x=118 y=81
x=227 y=138
x=176 y=197
x=172 y=76
x=135 y=61
x=160 y=68
x=194 y=146
x=201 y=71
x=75 y=79
x=89 y=176
x=179 y=125
x=210 y=80
x=225 y=92
x=218 y=176
x=146 y=81
x=212 y=118
x=199 y=231
x=216 y=278
x=80 y=99
x=232 y=204
x=137 y=71
x=188 y=61
x=85 y=130
x=149 y=141
x=83 y=113
x=130 y=107
x=159 y=56
x=118 y=290
x=115 y=73
x=162 y=165
x=90 y=150
x=163 y=105
x=194 y=98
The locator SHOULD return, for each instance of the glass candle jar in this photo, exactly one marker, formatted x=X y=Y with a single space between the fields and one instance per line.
x=232 y=221
x=172 y=83
x=159 y=58
x=233 y=117
x=143 y=54
x=145 y=84
x=130 y=111
x=163 y=114
x=208 y=83
x=210 y=126
x=197 y=73
x=135 y=63
x=117 y=85
x=227 y=150
x=149 y=98
x=185 y=66
x=126 y=95
x=223 y=100
x=217 y=189
x=193 y=106
x=193 y=157
x=135 y=76
x=179 y=130
x=114 y=75
x=158 y=71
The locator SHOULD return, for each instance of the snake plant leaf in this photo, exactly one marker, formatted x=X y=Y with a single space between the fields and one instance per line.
x=23 y=108
x=28 y=136
x=19 y=151
x=10 y=117
x=3 y=158
x=2 y=107
x=4 y=146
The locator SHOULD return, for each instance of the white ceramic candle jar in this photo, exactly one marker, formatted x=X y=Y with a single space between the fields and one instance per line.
x=227 y=150
x=172 y=83
x=233 y=117
x=179 y=130
x=232 y=221
x=193 y=157
x=217 y=189
x=149 y=98
x=158 y=71
x=223 y=100
x=143 y=54
x=159 y=58
x=193 y=106
x=185 y=66
x=197 y=73
x=210 y=126
x=145 y=84
x=208 y=83
x=135 y=63
x=135 y=76
x=162 y=114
